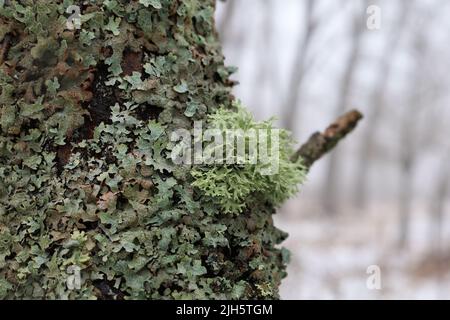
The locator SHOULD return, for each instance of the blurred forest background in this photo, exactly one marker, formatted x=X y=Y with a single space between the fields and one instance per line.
x=383 y=198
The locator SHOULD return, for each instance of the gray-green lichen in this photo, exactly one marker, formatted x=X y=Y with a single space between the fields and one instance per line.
x=85 y=173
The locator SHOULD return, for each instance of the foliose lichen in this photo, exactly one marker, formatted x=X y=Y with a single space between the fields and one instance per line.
x=86 y=179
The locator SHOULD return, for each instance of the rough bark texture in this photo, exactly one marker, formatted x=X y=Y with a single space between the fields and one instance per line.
x=84 y=148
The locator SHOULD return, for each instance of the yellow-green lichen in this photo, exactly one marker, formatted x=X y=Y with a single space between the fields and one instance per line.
x=236 y=186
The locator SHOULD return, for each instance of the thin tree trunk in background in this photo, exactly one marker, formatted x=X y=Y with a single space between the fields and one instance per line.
x=232 y=34
x=377 y=108
x=229 y=12
x=330 y=199
x=409 y=148
x=406 y=184
x=298 y=71
x=437 y=207
x=266 y=73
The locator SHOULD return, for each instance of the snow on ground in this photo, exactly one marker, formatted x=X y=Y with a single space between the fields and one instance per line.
x=330 y=256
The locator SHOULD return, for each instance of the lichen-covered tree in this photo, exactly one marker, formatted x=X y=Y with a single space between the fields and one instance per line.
x=87 y=184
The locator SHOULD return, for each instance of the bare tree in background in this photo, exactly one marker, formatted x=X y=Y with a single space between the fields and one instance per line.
x=231 y=33
x=435 y=137
x=438 y=200
x=409 y=149
x=266 y=73
x=226 y=22
x=299 y=66
x=378 y=102
x=330 y=200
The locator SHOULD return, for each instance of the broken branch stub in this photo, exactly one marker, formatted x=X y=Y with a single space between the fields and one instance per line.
x=321 y=143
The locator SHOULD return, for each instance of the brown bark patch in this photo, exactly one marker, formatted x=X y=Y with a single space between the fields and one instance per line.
x=132 y=62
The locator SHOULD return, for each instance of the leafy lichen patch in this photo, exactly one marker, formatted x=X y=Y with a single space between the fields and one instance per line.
x=85 y=172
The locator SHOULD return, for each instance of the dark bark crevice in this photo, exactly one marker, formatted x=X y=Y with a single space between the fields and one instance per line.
x=99 y=108
x=5 y=46
x=103 y=97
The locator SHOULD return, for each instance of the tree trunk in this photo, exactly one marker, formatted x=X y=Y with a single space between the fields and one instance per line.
x=378 y=101
x=290 y=110
x=406 y=196
x=331 y=193
x=266 y=73
x=409 y=146
x=91 y=205
x=437 y=207
x=408 y=150
x=225 y=23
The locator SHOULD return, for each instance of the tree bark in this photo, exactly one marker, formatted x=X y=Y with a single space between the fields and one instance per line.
x=321 y=143
x=91 y=205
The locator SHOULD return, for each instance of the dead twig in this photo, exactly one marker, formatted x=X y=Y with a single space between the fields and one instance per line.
x=321 y=143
